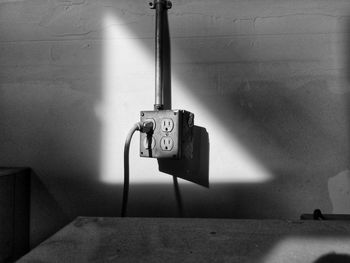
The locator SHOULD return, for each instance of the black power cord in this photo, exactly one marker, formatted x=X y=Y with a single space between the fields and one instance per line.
x=145 y=127
x=178 y=196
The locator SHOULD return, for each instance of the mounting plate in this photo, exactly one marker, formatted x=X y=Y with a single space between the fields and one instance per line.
x=172 y=135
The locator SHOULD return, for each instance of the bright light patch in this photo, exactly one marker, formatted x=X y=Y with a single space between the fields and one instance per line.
x=128 y=88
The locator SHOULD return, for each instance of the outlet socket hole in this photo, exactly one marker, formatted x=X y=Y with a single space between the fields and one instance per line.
x=167 y=125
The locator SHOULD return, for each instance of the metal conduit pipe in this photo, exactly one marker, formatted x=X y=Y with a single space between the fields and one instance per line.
x=161 y=7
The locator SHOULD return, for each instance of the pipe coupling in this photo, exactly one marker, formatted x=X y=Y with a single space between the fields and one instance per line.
x=166 y=3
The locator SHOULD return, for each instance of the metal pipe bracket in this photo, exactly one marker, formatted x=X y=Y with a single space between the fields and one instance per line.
x=167 y=4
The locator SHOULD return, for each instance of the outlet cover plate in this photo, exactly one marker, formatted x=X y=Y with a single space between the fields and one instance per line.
x=180 y=134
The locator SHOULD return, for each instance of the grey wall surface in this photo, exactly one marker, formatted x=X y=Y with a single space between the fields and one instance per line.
x=268 y=80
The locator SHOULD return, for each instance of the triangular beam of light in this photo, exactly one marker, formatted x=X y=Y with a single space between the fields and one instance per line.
x=128 y=88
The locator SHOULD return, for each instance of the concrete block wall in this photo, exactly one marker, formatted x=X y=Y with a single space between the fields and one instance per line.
x=268 y=80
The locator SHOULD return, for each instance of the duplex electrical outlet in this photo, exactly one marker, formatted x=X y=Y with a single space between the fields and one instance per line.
x=166 y=143
x=172 y=135
x=149 y=142
x=167 y=124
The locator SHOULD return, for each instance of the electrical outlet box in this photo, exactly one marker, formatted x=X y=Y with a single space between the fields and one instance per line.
x=172 y=135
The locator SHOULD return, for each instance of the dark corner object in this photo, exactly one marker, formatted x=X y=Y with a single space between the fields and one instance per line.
x=318 y=215
x=333 y=258
x=14 y=212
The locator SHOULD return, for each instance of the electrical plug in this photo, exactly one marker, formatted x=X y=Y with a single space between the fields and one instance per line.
x=146 y=127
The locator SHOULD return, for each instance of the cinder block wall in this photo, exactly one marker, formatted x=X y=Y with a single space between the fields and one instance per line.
x=268 y=80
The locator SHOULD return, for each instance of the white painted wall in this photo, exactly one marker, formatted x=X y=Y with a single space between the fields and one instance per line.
x=267 y=79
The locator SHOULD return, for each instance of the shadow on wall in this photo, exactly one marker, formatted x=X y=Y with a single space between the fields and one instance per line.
x=226 y=200
x=46 y=216
x=196 y=169
x=339 y=183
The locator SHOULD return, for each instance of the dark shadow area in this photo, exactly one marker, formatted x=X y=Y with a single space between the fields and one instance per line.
x=346 y=70
x=337 y=186
x=195 y=169
x=223 y=201
x=46 y=215
x=14 y=212
x=226 y=200
x=334 y=258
